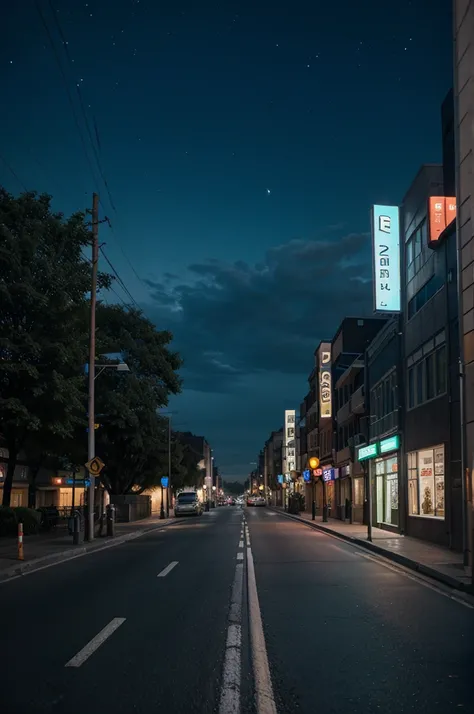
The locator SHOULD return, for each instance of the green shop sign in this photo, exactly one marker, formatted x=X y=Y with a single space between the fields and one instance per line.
x=371 y=451
x=390 y=444
x=367 y=452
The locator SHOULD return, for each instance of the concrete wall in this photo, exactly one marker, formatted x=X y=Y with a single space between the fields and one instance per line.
x=464 y=130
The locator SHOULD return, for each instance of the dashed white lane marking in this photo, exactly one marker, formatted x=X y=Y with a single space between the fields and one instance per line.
x=241 y=543
x=240 y=556
x=231 y=675
x=270 y=513
x=168 y=569
x=95 y=643
x=261 y=669
x=247 y=538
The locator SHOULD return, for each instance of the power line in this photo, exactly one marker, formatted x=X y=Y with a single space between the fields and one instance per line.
x=64 y=78
x=83 y=109
x=119 y=279
x=13 y=173
x=89 y=132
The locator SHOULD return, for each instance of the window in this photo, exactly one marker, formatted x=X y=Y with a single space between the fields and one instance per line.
x=414 y=250
x=424 y=294
x=430 y=376
x=426 y=482
x=427 y=378
x=441 y=371
x=419 y=383
x=411 y=388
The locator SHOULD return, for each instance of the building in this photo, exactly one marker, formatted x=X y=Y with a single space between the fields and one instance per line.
x=273 y=467
x=463 y=11
x=383 y=457
x=346 y=491
x=431 y=354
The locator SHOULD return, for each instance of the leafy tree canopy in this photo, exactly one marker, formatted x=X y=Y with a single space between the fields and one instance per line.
x=44 y=285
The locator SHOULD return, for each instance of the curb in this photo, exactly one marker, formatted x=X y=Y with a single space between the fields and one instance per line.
x=420 y=568
x=30 y=566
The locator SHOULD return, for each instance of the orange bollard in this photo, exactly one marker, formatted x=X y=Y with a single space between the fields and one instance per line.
x=20 y=542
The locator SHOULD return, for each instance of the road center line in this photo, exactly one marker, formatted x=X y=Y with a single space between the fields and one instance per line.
x=231 y=675
x=261 y=669
x=95 y=643
x=168 y=569
x=241 y=544
x=240 y=556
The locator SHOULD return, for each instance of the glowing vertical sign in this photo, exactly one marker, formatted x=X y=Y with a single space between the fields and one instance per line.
x=325 y=381
x=289 y=441
x=386 y=258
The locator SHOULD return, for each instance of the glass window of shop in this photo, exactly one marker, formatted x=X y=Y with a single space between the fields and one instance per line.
x=386 y=475
x=426 y=482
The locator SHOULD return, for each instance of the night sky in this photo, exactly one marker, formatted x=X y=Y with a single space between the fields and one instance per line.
x=242 y=144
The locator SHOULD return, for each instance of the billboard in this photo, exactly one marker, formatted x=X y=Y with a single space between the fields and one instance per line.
x=441 y=212
x=325 y=381
x=386 y=258
x=289 y=442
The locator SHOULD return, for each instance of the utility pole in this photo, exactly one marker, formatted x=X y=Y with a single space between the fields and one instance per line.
x=91 y=395
x=169 y=468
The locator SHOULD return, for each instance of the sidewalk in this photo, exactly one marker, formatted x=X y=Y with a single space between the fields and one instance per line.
x=57 y=546
x=437 y=562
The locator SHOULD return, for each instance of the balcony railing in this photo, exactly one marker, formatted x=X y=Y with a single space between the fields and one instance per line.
x=344 y=413
x=358 y=401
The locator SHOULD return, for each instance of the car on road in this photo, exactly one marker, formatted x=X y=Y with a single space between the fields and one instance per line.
x=187 y=504
x=256 y=501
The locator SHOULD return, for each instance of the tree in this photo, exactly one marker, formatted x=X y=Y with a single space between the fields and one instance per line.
x=44 y=284
x=236 y=488
x=133 y=438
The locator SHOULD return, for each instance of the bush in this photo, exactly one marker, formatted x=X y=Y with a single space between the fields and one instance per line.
x=11 y=517
x=8 y=522
x=30 y=518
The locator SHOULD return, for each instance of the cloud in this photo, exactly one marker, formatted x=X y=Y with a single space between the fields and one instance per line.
x=231 y=320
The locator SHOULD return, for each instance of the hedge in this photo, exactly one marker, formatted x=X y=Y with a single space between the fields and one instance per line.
x=11 y=517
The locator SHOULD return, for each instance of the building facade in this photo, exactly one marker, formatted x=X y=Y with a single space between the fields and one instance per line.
x=464 y=166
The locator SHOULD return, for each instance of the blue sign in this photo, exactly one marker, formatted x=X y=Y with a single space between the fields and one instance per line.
x=280 y=478
x=329 y=475
x=164 y=481
x=307 y=475
x=78 y=482
x=386 y=258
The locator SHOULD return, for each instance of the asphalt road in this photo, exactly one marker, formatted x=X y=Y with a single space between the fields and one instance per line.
x=346 y=634
x=343 y=632
x=166 y=656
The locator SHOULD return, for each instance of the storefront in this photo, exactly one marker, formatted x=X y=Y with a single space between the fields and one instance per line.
x=383 y=458
x=426 y=472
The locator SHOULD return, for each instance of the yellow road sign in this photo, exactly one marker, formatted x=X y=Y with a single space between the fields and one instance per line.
x=95 y=466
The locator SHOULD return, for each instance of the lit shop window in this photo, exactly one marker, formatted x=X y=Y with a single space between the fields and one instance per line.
x=426 y=482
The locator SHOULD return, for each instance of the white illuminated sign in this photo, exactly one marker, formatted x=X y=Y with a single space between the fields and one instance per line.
x=386 y=258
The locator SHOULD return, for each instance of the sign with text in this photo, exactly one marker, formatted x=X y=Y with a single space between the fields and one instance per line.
x=289 y=450
x=441 y=212
x=164 y=481
x=386 y=258
x=367 y=452
x=325 y=380
x=390 y=444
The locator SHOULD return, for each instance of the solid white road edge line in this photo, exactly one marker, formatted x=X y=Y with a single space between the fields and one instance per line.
x=95 y=643
x=395 y=568
x=168 y=569
x=261 y=670
x=231 y=675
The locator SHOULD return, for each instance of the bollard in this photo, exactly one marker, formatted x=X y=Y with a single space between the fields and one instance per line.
x=20 y=542
x=110 y=520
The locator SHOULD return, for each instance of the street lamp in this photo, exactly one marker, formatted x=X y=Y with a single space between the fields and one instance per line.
x=313 y=464
x=90 y=369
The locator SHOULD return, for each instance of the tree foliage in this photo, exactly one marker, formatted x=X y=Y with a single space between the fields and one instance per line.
x=44 y=282
x=44 y=341
x=133 y=438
